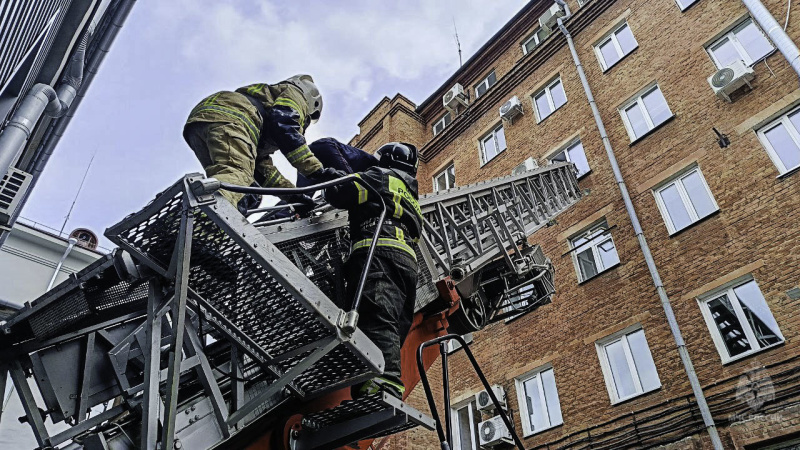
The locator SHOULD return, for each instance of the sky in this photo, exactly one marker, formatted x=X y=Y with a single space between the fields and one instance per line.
x=171 y=54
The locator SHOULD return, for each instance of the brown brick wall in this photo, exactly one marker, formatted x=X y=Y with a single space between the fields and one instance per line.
x=757 y=222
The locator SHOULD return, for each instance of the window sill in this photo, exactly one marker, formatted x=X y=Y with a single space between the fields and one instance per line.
x=635 y=396
x=533 y=433
x=746 y=355
x=484 y=164
x=607 y=69
x=608 y=269
x=651 y=131
x=538 y=121
x=683 y=10
x=788 y=173
x=699 y=221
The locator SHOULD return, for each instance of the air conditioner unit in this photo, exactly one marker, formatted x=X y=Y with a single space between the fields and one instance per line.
x=454 y=97
x=549 y=19
x=730 y=79
x=494 y=432
x=528 y=164
x=511 y=109
x=12 y=189
x=484 y=402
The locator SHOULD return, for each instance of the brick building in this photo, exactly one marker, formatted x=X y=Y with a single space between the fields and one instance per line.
x=598 y=367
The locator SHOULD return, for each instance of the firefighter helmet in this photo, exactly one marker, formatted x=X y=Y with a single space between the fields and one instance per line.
x=310 y=92
x=399 y=155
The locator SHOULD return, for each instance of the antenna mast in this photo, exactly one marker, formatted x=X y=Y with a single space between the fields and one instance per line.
x=458 y=43
x=77 y=193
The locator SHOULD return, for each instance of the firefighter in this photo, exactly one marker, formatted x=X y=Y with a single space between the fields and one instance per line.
x=387 y=303
x=233 y=134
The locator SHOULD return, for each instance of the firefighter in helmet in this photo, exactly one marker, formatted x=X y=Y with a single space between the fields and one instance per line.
x=233 y=134
x=387 y=303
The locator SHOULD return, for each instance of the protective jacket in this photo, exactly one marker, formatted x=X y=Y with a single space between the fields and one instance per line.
x=403 y=224
x=275 y=117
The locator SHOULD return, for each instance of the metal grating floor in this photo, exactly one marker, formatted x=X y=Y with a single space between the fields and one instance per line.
x=237 y=285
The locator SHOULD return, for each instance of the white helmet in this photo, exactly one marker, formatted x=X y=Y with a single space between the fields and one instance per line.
x=313 y=98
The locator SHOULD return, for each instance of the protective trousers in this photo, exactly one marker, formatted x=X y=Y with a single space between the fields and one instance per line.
x=387 y=303
x=228 y=153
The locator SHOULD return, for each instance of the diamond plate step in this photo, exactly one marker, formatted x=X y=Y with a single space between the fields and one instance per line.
x=355 y=420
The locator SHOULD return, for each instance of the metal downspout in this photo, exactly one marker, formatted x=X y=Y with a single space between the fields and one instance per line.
x=708 y=420
x=779 y=37
x=56 y=129
x=72 y=242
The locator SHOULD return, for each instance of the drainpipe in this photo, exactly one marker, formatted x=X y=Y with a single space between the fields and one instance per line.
x=768 y=23
x=56 y=129
x=41 y=99
x=72 y=242
x=708 y=420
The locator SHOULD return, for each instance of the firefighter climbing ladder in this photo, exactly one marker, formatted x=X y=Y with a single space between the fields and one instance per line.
x=201 y=328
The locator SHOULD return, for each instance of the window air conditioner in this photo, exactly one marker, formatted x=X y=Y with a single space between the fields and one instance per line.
x=484 y=402
x=549 y=20
x=12 y=189
x=511 y=109
x=528 y=164
x=454 y=97
x=494 y=432
x=730 y=79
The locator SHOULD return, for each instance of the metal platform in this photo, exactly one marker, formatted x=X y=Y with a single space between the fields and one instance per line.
x=355 y=420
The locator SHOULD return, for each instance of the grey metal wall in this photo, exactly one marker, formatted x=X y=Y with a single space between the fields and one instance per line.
x=24 y=25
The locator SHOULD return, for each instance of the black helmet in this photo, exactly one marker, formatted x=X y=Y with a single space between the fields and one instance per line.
x=399 y=155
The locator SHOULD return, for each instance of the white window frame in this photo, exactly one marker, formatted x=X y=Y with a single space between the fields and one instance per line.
x=612 y=36
x=794 y=133
x=547 y=91
x=684 y=8
x=442 y=120
x=677 y=181
x=565 y=150
x=535 y=38
x=731 y=36
x=455 y=425
x=444 y=172
x=485 y=81
x=603 y=235
x=605 y=366
x=638 y=99
x=716 y=337
x=519 y=382
x=482 y=144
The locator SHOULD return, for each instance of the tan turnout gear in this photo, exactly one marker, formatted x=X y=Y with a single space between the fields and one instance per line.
x=234 y=134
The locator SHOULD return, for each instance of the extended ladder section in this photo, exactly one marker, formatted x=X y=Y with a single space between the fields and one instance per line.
x=468 y=227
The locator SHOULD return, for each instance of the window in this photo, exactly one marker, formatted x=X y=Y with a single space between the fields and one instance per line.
x=538 y=401
x=683 y=4
x=440 y=124
x=744 y=42
x=582 y=2
x=534 y=40
x=685 y=200
x=549 y=99
x=781 y=138
x=573 y=153
x=485 y=84
x=627 y=365
x=593 y=251
x=466 y=419
x=740 y=321
x=445 y=179
x=618 y=44
x=492 y=144
x=645 y=113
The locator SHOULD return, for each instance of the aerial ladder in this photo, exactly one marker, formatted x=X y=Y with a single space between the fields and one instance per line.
x=203 y=330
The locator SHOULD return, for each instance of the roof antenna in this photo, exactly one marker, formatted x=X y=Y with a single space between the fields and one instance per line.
x=77 y=193
x=458 y=43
